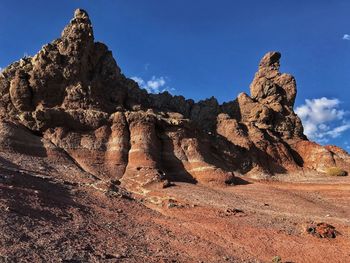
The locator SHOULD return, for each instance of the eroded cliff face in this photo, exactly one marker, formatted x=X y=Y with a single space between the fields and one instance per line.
x=73 y=96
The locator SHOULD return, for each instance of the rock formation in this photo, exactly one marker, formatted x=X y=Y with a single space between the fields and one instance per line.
x=73 y=96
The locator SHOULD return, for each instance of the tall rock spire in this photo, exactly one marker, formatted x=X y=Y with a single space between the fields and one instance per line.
x=270 y=86
x=78 y=35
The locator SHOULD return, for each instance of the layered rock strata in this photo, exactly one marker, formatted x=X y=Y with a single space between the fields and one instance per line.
x=73 y=96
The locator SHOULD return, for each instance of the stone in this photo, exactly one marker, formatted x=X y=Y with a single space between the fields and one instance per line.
x=167 y=184
x=322 y=230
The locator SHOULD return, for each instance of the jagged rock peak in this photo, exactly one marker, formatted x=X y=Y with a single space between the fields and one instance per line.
x=272 y=87
x=81 y=13
x=71 y=74
x=271 y=58
x=79 y=28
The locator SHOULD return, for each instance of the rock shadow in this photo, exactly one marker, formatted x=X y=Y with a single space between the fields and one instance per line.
x=22 y=140
x=237 y=158
x=240 y=181
x=171 y=164
x=36 y=198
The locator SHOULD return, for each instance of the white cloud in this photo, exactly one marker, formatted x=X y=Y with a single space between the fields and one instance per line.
x=154 y=85
x=337 y=131
x=323 y=119
x=346 y=37
x=139 y=81
x=347 y=145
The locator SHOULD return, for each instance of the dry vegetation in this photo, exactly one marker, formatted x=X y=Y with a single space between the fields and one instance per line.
x=336 y=171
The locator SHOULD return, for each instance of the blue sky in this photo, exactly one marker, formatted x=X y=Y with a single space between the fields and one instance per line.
x=210 y=48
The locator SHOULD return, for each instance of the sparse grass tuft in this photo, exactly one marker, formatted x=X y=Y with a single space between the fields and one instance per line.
x=276 y=259
x=336 y=171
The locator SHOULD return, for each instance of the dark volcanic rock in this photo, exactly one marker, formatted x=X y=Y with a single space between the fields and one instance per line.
x=73 y=94
x=322 y=230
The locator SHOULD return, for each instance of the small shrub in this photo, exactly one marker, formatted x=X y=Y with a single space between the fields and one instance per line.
x=276 y=259
x=336 y=171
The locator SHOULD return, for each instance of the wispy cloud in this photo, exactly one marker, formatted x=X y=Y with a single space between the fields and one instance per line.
x=323 y=119
x=347 y=145
x=346 y=37
x=154 y=85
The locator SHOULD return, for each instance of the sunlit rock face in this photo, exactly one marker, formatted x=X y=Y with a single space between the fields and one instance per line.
x=73 y=96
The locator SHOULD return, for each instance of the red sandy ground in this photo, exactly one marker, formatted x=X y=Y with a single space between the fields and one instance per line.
x=47 y=216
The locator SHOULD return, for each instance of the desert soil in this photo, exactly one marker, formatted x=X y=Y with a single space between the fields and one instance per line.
x=49 y=215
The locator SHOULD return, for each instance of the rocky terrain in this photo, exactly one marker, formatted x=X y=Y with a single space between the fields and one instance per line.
x=94 y=169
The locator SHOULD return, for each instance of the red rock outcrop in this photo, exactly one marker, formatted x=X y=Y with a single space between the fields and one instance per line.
x=73 y=96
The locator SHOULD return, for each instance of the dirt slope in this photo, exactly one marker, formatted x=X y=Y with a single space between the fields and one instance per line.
x=46 y=216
